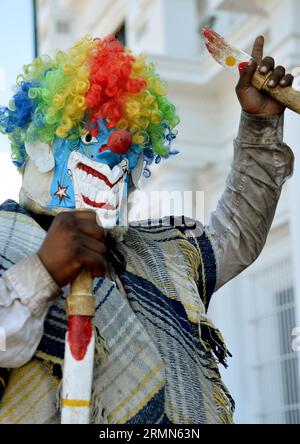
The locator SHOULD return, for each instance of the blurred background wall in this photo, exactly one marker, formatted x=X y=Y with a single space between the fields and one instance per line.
x=257 y=311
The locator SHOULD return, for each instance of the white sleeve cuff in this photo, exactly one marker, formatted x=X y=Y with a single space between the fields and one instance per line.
x=32 y=284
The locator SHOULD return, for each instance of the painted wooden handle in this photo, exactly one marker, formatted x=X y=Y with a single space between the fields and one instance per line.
x=81 y=300
x=287 y=96
x=83 y=283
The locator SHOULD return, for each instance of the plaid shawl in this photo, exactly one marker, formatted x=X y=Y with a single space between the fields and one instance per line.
x=155 y=360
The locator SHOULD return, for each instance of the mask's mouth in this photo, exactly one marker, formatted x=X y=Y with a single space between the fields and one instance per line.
x=104 y=206
x=96 y=184
x=91 y=172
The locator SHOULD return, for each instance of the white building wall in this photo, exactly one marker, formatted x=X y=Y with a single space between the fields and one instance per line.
x=168 y=31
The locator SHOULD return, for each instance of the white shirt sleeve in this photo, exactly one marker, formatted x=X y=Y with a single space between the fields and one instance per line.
x=239 y=227
x=26 y=292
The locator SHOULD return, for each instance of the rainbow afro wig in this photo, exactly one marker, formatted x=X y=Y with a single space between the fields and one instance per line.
x=96 y=79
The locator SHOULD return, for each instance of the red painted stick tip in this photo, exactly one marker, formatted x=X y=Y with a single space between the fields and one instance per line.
x=80 y=332
x=205 y=32
x=211 y=35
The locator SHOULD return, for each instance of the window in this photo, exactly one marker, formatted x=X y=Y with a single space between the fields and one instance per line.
x=274 y=365
x=289 y=365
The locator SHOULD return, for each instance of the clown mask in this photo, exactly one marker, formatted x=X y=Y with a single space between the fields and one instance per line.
x=65 y=124
x=89 y=172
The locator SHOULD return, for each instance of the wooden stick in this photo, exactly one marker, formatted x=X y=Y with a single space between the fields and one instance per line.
x=79 y=352
x=288 y=96
x=80 y=302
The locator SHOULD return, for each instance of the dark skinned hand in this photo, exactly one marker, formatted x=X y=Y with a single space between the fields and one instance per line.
x=252 y=100
x=74 y=241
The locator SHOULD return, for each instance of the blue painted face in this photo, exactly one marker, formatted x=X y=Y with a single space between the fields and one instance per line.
x=94 y=172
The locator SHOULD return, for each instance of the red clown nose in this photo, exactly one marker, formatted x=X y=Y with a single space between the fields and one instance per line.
x=119 y=142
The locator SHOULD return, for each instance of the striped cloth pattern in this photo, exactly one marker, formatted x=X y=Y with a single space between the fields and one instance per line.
x=154 y=359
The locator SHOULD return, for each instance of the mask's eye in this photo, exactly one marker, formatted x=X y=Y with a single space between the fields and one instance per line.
x=88 y=139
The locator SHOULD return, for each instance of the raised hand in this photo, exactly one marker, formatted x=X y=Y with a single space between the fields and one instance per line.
x=252 y=100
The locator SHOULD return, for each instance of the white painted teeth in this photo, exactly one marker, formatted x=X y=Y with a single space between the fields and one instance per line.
x=82 y=175
x=84 y=189
x=89 y=178
x=113 y=175
x=95 y=182
x=102 y=196
x=94 y=188
x=99 y=196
